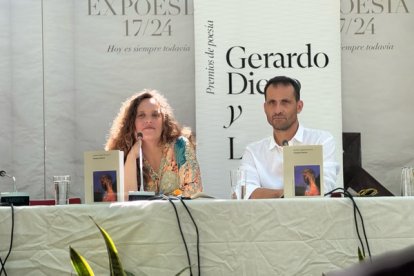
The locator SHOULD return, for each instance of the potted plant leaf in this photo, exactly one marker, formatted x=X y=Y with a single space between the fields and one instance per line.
x=82 y=267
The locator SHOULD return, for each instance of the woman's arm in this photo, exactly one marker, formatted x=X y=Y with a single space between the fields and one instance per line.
x=189 y=170
x=130 y=182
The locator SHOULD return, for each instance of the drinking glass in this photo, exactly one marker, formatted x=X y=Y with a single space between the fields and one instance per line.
x=61 y=183
x=407 y=181
x=238 y=183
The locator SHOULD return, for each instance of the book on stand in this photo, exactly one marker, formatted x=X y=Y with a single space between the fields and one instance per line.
x=303 y=170
x=104 y=176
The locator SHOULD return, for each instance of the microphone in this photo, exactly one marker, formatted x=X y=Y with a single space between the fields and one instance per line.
x=3 y=174
x=15 y=198
x=285 y=143
x=141 y=171
x=141 y=194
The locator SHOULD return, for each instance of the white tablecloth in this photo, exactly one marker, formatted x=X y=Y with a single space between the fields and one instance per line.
x=304 y=236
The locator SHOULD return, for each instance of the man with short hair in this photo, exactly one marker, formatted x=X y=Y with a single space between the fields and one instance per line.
x=263 y=160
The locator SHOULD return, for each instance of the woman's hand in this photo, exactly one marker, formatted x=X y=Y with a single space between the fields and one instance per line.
x=134 y=152
x=131 y=183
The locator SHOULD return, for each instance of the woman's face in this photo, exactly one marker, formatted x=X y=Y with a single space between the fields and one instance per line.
x=308 y=177
x=149 y=120
x=106 y=183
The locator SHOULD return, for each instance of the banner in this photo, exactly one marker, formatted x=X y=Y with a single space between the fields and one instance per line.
x=21 y=102
x=377 y=82
x=239 y=45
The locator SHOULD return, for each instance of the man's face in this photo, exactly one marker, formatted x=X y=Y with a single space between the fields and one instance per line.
x=281 y=107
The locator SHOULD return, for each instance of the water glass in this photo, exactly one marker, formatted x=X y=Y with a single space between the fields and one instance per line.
x=61 y=184
x=407 y=181
x=238 y=183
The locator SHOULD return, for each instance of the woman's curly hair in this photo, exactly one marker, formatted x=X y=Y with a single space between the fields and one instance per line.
x=122 y=133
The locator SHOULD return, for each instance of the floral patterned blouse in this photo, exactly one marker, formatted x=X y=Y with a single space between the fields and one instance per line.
x=179 y=169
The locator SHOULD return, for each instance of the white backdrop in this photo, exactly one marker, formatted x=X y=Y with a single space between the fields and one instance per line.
x=60 y=87
x=21 y=96
x=377 y=84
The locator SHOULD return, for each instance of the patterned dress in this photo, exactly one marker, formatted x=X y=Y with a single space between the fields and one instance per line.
x=179 y=169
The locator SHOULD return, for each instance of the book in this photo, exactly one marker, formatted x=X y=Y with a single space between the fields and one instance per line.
x=303 y=171
x=104 y=176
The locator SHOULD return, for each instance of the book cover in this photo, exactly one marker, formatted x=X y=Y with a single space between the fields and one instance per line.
x=303 y=170
x=104 y=176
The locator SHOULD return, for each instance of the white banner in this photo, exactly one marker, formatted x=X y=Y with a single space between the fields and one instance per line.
x=21 y=102
x=239 y=46
x=377 y=66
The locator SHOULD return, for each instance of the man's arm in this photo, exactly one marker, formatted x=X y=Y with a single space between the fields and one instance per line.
x=266 y=193
x=253 y=185
x=252 y=176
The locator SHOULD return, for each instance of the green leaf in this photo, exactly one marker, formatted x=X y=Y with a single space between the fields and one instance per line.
x=79 y=263
x=361 y=256
x=115 y=265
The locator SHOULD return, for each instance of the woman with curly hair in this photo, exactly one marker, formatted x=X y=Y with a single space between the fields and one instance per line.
x=169 y=161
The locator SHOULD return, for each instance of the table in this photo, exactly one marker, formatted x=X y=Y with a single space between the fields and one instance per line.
x=299 y=236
